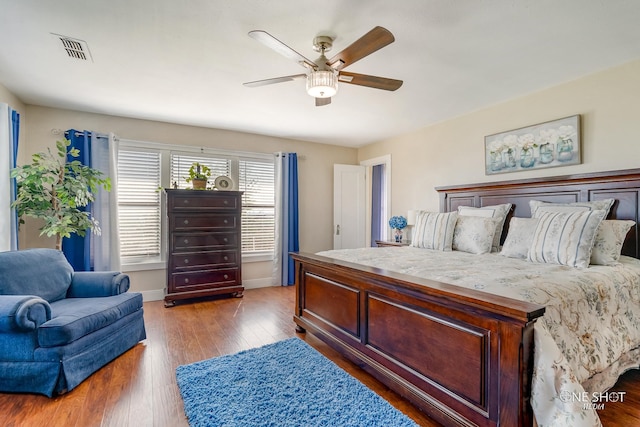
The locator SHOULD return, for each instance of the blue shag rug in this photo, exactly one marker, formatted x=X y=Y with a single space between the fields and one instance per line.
x=287 y=383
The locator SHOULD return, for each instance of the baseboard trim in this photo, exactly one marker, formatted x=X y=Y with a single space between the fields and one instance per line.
x=258 y=283
x=153 y=295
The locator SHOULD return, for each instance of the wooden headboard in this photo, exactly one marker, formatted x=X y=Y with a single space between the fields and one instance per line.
x=623 y=186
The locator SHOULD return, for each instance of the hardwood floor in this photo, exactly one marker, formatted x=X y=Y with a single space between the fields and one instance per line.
x=139 y=388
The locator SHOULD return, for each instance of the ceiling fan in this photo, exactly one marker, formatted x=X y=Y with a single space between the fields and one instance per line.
x=324 y=74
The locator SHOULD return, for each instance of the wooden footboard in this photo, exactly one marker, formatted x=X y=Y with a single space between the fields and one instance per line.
x=460 y=355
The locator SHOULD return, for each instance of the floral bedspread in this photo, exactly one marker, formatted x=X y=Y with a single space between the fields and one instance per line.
x=588 y=336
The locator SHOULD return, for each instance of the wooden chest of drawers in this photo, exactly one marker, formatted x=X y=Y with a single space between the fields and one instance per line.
x=204 y=248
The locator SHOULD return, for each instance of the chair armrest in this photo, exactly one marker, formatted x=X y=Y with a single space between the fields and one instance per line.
x=87 y=284
x=23 y=312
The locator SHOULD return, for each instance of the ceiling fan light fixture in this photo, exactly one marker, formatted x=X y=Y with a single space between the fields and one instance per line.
x=323 y=75
x=322 y=84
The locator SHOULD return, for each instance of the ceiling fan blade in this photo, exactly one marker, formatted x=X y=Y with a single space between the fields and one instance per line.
x=322 y=101
x=284 y=50
x=375 y=39
x=282 y=79
x=369 y=81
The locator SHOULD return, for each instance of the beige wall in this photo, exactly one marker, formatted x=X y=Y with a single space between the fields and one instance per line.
x=15 y=103
x=315 y=170
x=9 y=98
x=452 y=152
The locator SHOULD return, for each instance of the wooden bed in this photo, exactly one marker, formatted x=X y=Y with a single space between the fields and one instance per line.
x=462 y=356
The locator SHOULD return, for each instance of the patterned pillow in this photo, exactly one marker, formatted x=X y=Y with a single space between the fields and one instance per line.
x=604 y=205
x=565 y=238
x=496 y=211
x=434 y=230
x=519 y=238
x=609 y=240
x=474 y=234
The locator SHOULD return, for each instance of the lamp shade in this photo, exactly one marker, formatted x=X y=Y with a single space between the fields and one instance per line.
x=411 y=217
x=322 y=84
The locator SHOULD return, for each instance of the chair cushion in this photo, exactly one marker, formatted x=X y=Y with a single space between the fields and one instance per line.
x=40 y=272
x=73 y=318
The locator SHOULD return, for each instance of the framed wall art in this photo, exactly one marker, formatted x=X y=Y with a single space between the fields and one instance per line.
x=545 y=145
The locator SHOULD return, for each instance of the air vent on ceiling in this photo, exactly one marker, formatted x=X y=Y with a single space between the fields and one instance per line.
x=75 y=48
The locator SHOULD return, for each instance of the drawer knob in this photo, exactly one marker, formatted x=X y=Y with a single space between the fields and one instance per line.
x=186 y=201
x=226 y=276
x=226 y=221
x=186 y=241
x=225 y=240
x=186 y=221
x=226 y=202
x=186 y=260
x=186 y=280
x=226 y=258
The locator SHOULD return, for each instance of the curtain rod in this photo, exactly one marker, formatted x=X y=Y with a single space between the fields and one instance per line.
x=61 y=132
x=300 y=156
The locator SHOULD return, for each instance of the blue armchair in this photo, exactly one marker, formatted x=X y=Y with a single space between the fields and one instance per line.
x=58 y=326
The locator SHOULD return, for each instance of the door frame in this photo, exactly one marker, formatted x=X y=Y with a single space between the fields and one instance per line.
x=386 y=188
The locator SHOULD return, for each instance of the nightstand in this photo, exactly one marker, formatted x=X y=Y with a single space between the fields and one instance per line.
x=381 y=243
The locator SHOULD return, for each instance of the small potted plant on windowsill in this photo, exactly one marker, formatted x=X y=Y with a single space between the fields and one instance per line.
x=198 y=176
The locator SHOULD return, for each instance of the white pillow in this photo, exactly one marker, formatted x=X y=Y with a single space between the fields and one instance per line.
x=565 y=238
x=604 y=204
x=434 y=230
x=496 y=211
x=474 y=234
x=609 y=240
x=519 y=237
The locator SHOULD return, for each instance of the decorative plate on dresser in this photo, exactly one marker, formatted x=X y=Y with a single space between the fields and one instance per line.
x=223 y=183
x=204 y=247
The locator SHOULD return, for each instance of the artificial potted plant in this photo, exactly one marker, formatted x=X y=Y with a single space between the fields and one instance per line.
x=54 y=190
x=198 y=176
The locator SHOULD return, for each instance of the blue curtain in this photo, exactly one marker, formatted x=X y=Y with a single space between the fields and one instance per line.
x=291 y=207
x=9 y=133
x=287 y=228
x=76 y=248
x=15 y=132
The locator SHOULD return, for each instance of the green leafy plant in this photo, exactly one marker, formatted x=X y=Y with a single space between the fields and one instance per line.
x=198 y=171
x=54 y=190
x=198 y=175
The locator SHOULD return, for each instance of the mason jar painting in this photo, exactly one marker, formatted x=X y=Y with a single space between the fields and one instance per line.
x=527 y=159
x=549 y=144
x=495 y=161
x=565 y=143
x=509 y=157
x=546 y=153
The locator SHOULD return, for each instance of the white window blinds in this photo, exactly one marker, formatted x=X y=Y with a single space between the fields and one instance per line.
x=256 y=180
x=145 y=167
x=139 y=204
x=254 y=177
x=180 y=164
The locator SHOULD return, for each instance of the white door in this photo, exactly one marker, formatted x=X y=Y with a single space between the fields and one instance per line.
x=349 y=206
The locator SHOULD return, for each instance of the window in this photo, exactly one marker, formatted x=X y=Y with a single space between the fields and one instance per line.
x=256 y=179
x=139 y=205
x=145 y=167
x=181 y=163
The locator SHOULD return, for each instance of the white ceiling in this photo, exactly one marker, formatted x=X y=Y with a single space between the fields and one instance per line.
x=185 y=61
